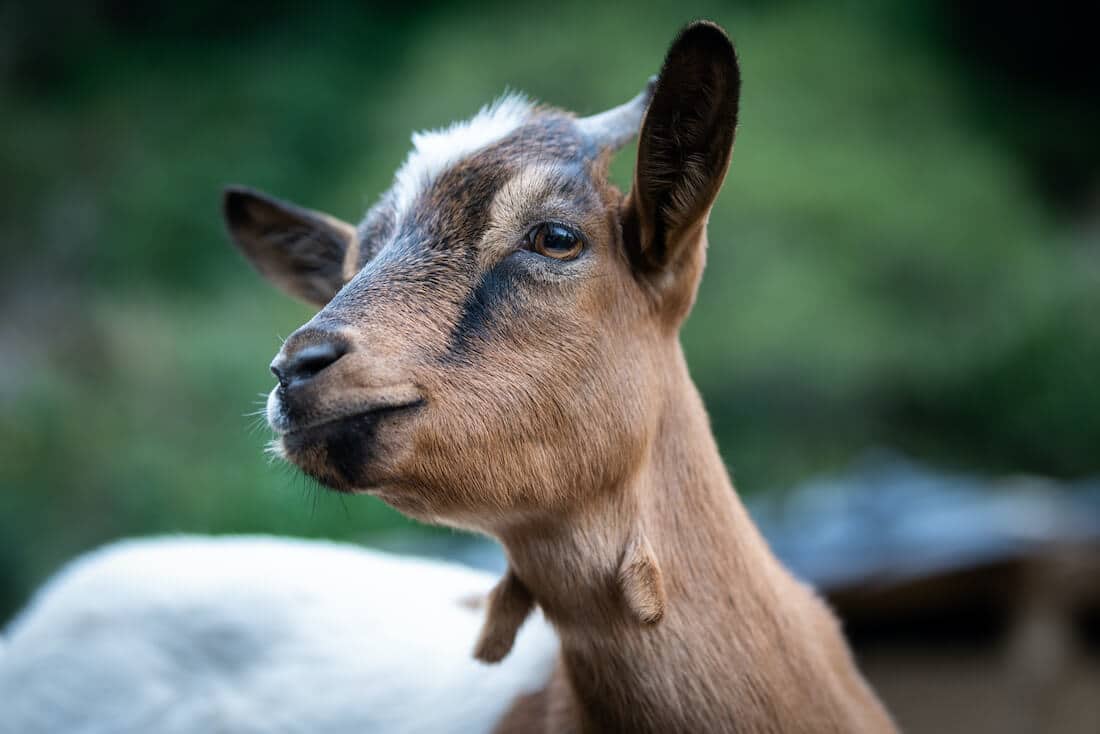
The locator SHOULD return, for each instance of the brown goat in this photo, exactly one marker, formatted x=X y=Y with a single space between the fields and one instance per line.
x=498 y=350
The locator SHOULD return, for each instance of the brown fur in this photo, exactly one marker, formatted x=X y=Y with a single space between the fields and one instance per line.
x=547 y=403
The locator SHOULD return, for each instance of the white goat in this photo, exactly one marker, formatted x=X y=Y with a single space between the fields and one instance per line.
x=253 y=634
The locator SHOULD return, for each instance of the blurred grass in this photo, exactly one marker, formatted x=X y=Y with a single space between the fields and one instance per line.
x=881 y=270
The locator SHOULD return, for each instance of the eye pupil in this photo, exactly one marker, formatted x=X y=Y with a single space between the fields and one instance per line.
x=556 y=241
x=558 y=238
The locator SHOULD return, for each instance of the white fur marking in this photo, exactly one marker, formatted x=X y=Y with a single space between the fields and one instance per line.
x=434 y=151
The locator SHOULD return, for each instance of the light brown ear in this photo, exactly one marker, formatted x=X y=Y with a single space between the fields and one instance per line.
x=509 y=604
x=683 y=153
x=307 y=254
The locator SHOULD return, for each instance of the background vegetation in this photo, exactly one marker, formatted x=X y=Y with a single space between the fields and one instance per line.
x=906 y=252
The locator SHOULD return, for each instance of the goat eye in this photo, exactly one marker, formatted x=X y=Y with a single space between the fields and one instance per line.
x=555 y=240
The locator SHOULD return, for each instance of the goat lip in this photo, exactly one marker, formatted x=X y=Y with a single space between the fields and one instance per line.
x=374 y=411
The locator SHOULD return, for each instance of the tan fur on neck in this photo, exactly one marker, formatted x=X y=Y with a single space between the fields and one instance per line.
x=510 y=602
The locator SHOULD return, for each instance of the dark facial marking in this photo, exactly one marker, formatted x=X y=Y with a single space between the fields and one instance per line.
x=349 y=446
x=491 y=302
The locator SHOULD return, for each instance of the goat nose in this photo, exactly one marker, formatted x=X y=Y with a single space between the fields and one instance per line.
x=301 y=364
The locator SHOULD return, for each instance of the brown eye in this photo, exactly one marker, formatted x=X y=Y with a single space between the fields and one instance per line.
x=555 y=240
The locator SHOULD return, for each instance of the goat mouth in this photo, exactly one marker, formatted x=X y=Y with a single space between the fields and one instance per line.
x=328 y=423
x=346 y=453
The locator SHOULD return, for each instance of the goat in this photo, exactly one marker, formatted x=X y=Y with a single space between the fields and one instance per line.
x=497 y=350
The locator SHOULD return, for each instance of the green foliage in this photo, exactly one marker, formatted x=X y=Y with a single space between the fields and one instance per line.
x=880 y=269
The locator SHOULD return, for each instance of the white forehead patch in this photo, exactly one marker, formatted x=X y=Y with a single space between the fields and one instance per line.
x=434 y=151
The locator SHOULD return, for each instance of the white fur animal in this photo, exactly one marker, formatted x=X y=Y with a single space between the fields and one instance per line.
x=253 y=634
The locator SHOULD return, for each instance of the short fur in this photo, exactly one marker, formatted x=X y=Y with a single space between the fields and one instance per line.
x=546 y=402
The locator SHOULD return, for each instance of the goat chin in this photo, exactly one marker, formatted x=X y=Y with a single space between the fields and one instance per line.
x=255 y=634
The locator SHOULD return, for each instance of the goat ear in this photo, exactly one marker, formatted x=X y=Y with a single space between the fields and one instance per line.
x=306 y=253
x=683 y=153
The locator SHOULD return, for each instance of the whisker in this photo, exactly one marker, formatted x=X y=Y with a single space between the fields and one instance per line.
x=274 y=451
x=256 y=425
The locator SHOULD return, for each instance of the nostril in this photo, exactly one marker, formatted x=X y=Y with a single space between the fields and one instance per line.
x=314 y=358
x=306 y=362
x=280 y=373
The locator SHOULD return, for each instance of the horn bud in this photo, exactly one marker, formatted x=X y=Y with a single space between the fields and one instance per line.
x=614 y=128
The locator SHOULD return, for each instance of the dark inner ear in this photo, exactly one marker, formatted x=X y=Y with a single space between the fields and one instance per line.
x=684 y=146
x=308 y=254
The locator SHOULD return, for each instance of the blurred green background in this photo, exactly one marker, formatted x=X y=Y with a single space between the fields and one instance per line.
x=905 y=253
